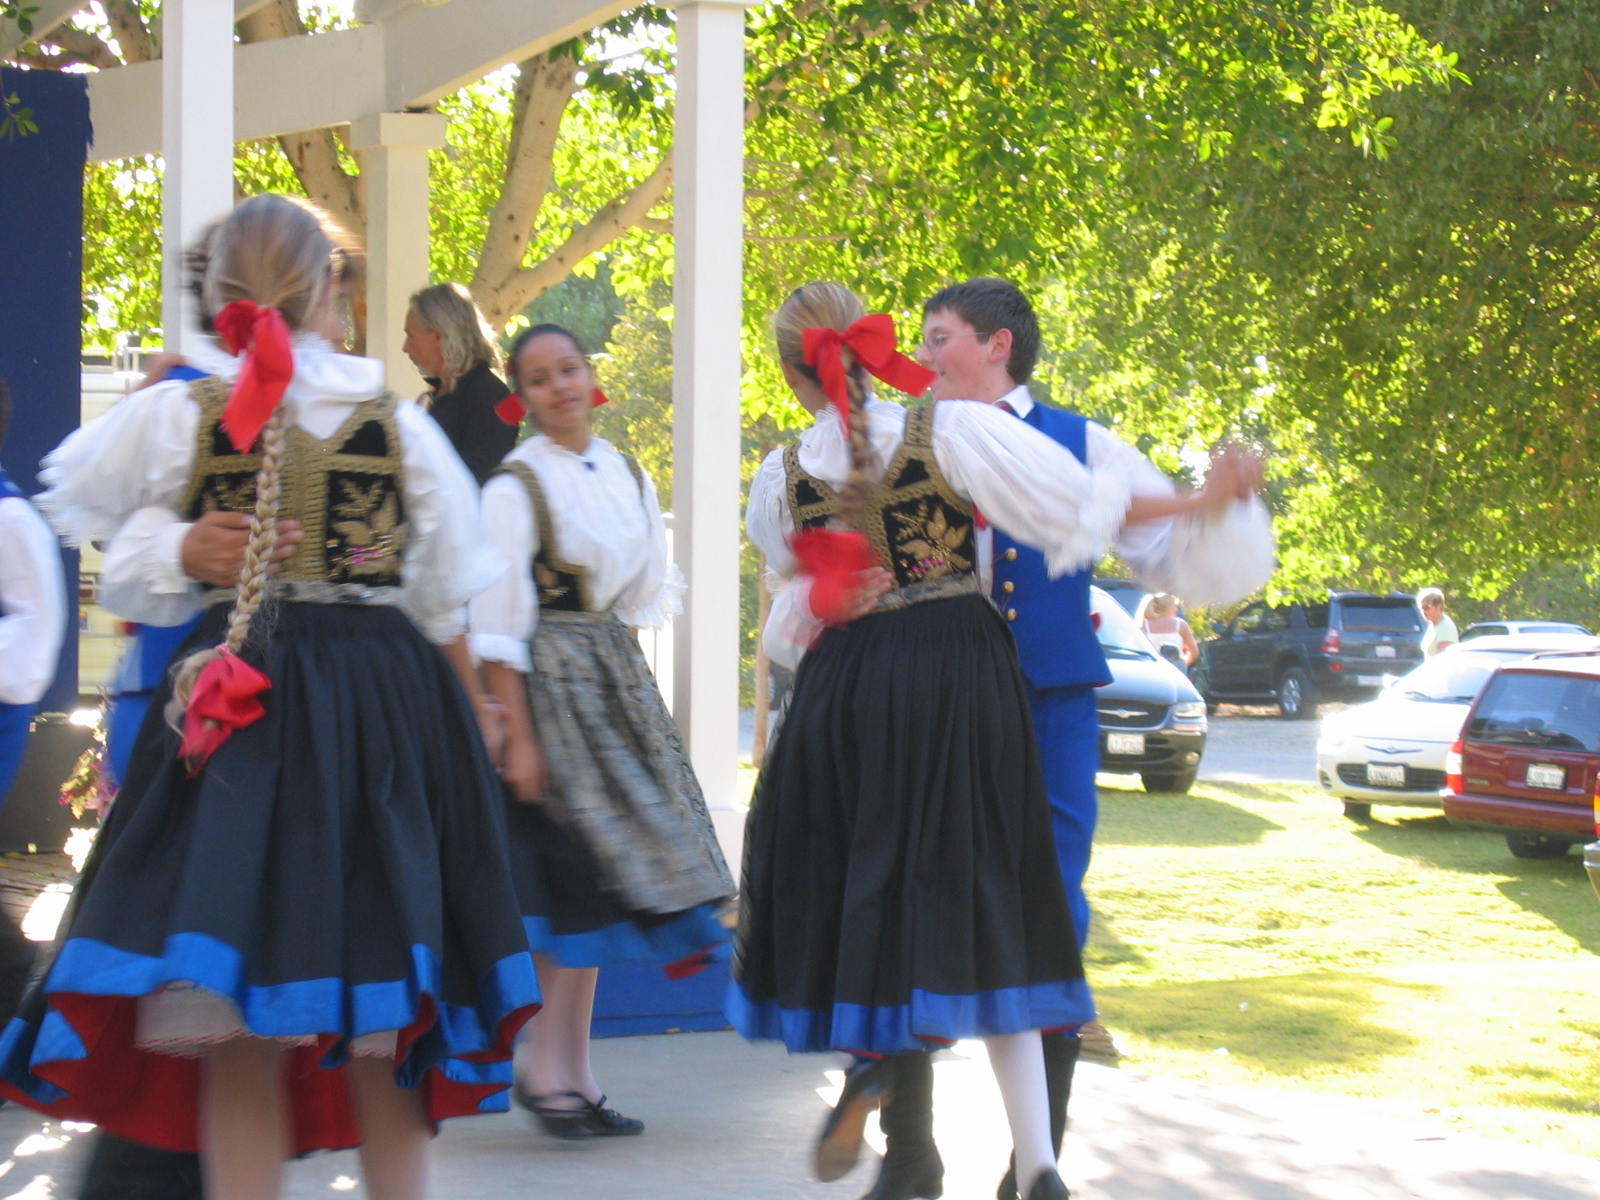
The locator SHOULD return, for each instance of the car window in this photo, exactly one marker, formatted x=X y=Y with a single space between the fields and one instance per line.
x=1454 y=677
x=1251 y=619
x=1379 y=616
x=1118 y=635
x=1556 y=712
x=1277 y=620
x=1317 y=616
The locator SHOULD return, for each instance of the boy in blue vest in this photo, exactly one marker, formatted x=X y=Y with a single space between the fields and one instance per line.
x=982 y=339
x=33 y=620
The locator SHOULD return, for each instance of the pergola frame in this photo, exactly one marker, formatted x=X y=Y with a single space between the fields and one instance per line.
x=382 y=78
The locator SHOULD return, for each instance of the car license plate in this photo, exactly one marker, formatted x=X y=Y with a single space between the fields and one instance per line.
x=1369 y=680
x=1547 y=775
x=1383 y=651
x=1124 y=743
x=1386 y=774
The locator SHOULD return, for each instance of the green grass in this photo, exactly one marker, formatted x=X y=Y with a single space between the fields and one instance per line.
x=1251 y=935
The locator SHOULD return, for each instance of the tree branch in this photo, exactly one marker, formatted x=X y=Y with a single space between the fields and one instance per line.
x=76 y=46
x=606 y=226
x=128 y=27
x=544 y=89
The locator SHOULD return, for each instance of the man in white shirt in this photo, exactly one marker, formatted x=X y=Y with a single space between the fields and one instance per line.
x=33 y=620
x=1441 y=631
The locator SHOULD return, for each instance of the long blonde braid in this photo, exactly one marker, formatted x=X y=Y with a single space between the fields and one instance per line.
x=253 y=572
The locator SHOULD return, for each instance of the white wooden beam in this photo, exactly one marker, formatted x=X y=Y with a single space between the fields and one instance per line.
x=708 y=225
x=409 y=61
x=197 y=143
x=434 y=51
x=393 y=148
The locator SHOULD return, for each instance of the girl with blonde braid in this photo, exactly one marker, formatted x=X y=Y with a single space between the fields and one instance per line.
x=297 y=929
x=900 y=886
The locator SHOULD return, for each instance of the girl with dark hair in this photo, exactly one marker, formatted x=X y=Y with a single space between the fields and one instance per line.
x=900 y=888
x=609 y=830
x=296 y=930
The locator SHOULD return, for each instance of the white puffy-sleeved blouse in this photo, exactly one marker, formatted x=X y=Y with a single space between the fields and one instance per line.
x=123 y=476
x=603 y=520
x=1021 y=480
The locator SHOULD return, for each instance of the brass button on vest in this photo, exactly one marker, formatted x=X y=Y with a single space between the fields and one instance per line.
x=1011 y=554
x=1011 y=614
x=1008 y=586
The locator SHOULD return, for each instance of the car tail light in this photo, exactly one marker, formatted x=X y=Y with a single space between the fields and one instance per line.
x=1597 y=806
x=1453 y=781
x=1330 y=644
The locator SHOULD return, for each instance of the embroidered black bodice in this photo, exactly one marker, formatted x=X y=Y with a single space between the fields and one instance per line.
x=560 y=585
x=345 y=489
x=919 y=527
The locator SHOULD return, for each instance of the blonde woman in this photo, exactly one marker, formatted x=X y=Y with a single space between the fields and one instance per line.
x=451 y=344
x=1170 y=632
x=298 y=929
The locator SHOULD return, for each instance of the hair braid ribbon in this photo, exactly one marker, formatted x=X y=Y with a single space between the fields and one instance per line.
x=835 y=559
x=262 y=335
x=871 y=340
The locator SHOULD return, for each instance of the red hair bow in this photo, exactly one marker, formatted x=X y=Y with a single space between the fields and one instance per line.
x=510 y=409
x=225 y=699
x=834 y=559
x=263 y=336
x=871 y=340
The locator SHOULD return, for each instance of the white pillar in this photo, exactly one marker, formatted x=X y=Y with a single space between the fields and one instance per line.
x=197 y=144
x=393 y=149
x=708 y=224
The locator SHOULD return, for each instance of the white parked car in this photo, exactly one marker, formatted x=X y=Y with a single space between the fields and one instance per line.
x=1391 y=750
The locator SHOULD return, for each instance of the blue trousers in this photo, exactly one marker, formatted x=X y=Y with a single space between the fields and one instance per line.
x=14 y=722
x=1067 y=728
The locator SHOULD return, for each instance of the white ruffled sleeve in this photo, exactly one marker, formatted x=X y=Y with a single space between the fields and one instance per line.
x=137 y=455
x=791 y=627
x=447 y=562
x=505 y=614
x=1028 y=485
x=33 y=600
x=142 y=576
x=655 y=595
x=1206 y=558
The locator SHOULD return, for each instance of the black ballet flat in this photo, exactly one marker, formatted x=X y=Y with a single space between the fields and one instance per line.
x=839 y=1141
x=593 y=1119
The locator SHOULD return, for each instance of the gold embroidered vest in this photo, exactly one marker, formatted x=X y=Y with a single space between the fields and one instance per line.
x=919 y=528
x=345 y=490
x=561 y=586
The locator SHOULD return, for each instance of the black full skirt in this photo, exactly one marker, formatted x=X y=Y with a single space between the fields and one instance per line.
x=337 y=871
x=900 y=885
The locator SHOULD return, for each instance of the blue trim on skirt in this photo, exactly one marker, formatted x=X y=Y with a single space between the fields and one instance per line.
x=696 y=933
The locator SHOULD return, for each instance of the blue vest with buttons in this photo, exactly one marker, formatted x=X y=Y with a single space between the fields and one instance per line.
x=1049 y=617
x=14 y=718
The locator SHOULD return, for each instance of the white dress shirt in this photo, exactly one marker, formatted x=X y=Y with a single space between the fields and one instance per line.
x=33 y=599
x=123 y=475
x=602 y=520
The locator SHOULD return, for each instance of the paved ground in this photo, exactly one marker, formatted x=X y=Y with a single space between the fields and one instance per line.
x=727 y=1120
x=1255 y=745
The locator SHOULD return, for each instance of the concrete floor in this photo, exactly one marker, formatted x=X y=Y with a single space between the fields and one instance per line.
x=729 y=1120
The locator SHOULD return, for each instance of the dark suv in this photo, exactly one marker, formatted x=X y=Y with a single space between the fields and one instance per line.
x=1528 y=759
x=1301 y=654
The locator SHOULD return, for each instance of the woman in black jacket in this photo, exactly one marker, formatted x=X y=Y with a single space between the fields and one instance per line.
x=449 y=342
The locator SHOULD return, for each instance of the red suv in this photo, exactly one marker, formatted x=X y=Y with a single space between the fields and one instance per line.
x=1528 y=759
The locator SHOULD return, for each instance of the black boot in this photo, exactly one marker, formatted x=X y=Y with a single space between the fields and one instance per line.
x=1060 y=1061
x=911 y=1167
x=1049 y=1186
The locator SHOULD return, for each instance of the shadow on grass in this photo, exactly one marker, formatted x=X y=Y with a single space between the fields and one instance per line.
x=1126 y=820
x=1291 y=1026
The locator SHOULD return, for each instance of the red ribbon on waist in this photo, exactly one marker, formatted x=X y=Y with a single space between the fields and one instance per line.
x=834 y=559
x=871 y=340
x=262 y=335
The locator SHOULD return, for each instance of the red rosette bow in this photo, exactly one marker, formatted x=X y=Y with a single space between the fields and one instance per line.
x=510 y=409
x=834 y=560
x=226 y=698
x=871 y=340
x=262 y=335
